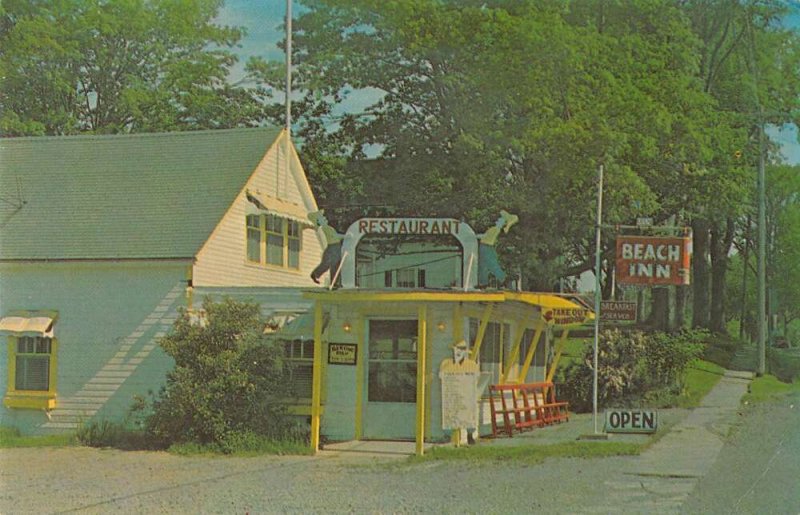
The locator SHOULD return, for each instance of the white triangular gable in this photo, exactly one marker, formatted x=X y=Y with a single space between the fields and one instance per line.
x=276 y=188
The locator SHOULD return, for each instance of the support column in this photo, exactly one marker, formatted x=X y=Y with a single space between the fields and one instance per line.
x=531 y=351
x=422 y=351
x=316 y=377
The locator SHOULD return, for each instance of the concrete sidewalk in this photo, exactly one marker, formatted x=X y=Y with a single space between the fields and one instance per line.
x=657 y=481
x=660 y=479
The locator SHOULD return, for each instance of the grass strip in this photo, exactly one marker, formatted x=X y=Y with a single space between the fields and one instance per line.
x=768 y=388
x=11 y=437
x=259 y=448
x=701 y=377
x=530 y=454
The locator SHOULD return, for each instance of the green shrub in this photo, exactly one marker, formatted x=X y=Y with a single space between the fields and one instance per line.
x=667 y=356
x=228 y=381
x=633 y=369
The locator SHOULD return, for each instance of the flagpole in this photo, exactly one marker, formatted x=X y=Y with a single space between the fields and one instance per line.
x=288 y=141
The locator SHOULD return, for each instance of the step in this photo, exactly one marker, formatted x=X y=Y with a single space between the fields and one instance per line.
x=81 y=406
x=59 y=413
x=106 y=380
x=113 y=373
x=93 y=390
x=80 y=400
x=71 y=419
x=60 y=425
x=118 y=367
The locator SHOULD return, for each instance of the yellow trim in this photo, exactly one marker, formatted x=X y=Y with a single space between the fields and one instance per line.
x=360 y=353
x=401 y=296
x=514 y=354
x=562 y=340
x=429 y=377
x=523 y=373
x=476 y=348
x=31 y=399
x=458 y=323
x=422 y=330
x=12 y=363
x=544 y=300
x=316 y=378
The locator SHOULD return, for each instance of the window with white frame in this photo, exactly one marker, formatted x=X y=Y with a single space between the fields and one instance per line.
x=493 y=348
x=273 y=240
x=300 y=354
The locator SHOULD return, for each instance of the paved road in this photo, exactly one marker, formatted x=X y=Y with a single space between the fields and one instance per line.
x=758 y=470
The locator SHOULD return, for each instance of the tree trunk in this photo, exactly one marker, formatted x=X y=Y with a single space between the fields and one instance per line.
x=608 y=284
x=659 y=317
x=743 y=300
x=700 y=274
x=721 y=242
x=640 y=307
x=681 y=292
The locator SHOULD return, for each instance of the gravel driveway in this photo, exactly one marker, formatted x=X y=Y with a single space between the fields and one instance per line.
x=62 y=480
x=102 y=481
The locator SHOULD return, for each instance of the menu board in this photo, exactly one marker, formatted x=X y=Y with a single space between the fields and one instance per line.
x=459 y=393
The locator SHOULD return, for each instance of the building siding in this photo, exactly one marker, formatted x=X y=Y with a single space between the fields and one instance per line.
x=105 y=316
x=222 y=259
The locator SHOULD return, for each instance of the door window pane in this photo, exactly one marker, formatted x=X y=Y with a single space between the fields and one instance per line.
x=392 y=361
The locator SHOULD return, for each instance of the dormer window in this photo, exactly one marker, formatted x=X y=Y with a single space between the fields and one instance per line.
x=273 y=240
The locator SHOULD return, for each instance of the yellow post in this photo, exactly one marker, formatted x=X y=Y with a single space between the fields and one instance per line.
x=458 y=335
x=476 y=348
x=523 y=373
x=562 y=340
x=316 y=377
x=360 y=356
x=458 y=323
x=12 y=364
x=512 y=357
x=422 y=337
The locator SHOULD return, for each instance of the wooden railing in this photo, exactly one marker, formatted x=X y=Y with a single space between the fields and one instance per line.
x=525 y=406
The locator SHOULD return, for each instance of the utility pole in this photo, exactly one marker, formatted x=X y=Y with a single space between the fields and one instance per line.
x=762 y=252
x=762 y=216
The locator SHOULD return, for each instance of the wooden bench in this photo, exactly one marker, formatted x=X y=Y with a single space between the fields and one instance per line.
x=525 y=406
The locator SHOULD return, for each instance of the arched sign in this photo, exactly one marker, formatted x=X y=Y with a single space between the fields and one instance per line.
x=410 y=226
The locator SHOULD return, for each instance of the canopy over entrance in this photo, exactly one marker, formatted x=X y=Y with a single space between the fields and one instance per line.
x=441 y=318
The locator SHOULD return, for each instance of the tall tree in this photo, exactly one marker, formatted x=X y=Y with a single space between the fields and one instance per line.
x=117 y=66
x=748 y=65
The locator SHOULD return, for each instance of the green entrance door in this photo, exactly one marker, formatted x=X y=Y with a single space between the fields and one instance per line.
x=390 y=410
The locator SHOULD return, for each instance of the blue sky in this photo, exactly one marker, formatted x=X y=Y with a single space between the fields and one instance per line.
x=263 y=20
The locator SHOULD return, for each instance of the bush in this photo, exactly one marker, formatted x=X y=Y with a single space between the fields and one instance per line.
x=104 y=433
x=228 y=381
x=99 y=433
x=667 y=356
x=633 y=368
